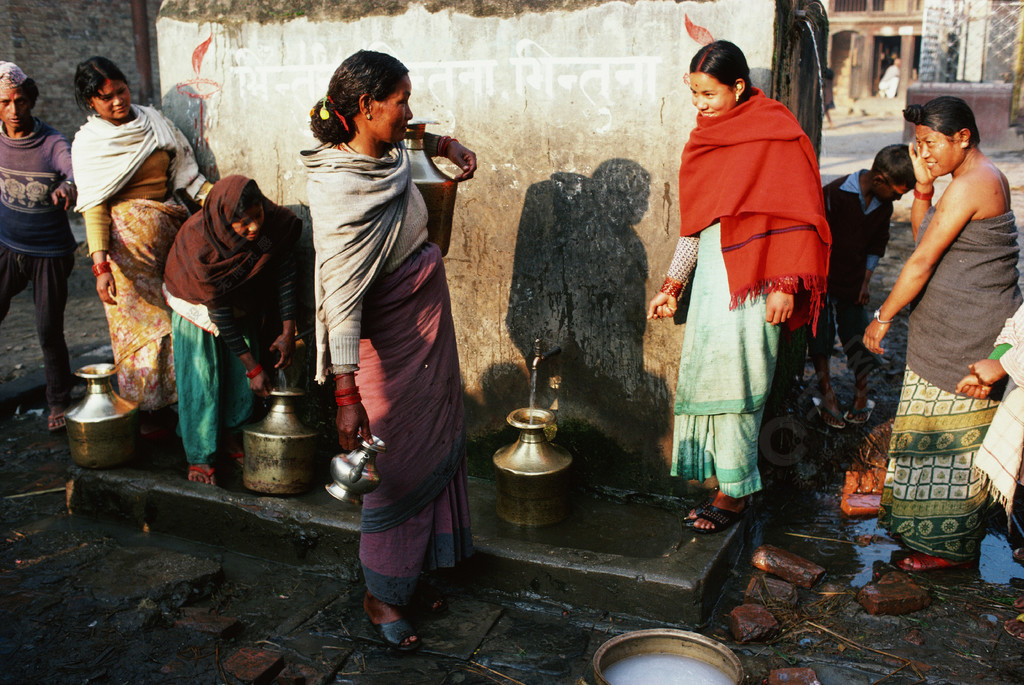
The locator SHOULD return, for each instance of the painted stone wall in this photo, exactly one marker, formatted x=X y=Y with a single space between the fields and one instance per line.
x=578 y=112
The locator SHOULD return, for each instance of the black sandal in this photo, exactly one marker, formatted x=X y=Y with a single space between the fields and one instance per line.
x=395 y=633
x=698 y=510
x=719 y=518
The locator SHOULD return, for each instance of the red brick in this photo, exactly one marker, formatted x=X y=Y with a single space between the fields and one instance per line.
x=860 y=505
x=893 y=597
x=797 y=676
x=205 y=621
x=752 y=623
x=254 y=665
x=768 y=590
x=787 y=565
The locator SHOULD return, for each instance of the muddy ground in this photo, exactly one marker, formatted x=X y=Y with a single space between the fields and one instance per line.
x=82 y=602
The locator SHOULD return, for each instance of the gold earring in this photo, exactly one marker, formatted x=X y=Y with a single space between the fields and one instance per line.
x=369 y=116
x=737 y=97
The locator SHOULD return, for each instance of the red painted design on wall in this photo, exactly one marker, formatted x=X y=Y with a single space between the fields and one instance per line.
x=698 y=33
x=200 y=89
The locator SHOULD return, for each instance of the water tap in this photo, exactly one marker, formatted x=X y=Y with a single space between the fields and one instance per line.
x=538 y=355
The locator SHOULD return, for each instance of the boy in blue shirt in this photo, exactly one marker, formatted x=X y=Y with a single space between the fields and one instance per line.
x=858 y=208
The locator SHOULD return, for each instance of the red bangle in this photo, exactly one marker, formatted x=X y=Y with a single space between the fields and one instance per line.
x=347 y=400
x=672 y=287
x=254 y=371
x=442 y=145
x=342 y=392
x=101 y=268
x=922 y=196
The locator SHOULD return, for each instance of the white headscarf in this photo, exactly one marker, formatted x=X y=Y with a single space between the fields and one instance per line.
x=105 y=156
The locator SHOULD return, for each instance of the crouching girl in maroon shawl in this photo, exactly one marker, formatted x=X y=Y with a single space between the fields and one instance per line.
x=227 y=263
x=383 y=309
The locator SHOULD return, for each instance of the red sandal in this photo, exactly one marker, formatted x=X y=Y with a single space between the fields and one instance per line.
x=202 y=473
x=919 y=562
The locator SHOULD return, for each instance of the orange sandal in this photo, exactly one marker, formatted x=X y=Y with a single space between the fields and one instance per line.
x=920 y=562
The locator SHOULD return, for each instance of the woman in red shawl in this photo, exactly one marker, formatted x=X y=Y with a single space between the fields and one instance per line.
x=227 y=263
x=753 y=225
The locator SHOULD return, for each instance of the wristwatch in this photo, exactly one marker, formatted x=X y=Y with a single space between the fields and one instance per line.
x=878 y=317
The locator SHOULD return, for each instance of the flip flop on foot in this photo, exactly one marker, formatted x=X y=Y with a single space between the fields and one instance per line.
x=202 y=473
x=398 y=634
x=919 y=562
x=55 y=421
x=829 y=417
x=719 y=518
x=859 y=416
x=696 y=511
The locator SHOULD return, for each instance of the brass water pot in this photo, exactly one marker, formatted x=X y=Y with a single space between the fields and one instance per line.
x=279 y=449
x=437 y=189
x=103 y=427
x=532 y=474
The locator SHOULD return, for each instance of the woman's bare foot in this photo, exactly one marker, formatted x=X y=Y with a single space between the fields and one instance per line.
x=381 y=613
x=722 y=501
x=202 y=473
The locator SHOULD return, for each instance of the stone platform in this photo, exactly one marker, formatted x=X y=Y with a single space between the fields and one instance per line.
x=629 y=559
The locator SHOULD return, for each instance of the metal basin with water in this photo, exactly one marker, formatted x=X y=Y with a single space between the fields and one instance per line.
x=666 y=656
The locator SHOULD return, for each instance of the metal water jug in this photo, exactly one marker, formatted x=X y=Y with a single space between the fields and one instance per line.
x=103 y=427
x=355 y=473
x=532 y=474
x=437 y=189
x=279 y=450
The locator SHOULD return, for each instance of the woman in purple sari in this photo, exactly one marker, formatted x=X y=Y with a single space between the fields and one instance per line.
x=383 y=310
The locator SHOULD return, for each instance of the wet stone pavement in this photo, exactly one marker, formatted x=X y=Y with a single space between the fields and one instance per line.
x=89 y=602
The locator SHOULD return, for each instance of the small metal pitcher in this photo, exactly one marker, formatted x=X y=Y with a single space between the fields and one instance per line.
x=355 y=473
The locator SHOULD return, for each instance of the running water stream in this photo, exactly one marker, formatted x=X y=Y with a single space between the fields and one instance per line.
x=538 y=357
x=802 y=19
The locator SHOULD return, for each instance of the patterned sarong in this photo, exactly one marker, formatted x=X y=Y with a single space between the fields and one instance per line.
x=141 y=234
x=418 y=519
x=725 y=374
x=935 y=498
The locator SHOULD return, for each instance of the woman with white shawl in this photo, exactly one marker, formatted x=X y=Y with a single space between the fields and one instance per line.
x=129 y=161
x=383 y=309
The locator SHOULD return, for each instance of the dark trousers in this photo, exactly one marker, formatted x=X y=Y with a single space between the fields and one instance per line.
x=49 y=278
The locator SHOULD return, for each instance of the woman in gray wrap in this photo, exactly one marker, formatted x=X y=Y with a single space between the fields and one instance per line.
x=383 y=310
x=963 y=277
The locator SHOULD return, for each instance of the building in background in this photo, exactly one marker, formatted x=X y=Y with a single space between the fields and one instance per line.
x=972 y=49
x=866 y=38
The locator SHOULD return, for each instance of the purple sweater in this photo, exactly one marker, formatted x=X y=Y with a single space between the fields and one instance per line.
x=30 y=169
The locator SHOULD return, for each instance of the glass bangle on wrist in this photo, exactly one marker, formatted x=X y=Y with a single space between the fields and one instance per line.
x=878 y=317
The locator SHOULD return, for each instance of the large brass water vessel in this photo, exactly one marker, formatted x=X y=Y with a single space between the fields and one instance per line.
x=279 y=450
x=103 y=427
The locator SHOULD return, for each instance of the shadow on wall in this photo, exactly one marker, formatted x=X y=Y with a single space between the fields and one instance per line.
x=579 y=281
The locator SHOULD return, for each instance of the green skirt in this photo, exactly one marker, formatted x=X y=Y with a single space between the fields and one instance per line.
x=725 y=374
x=934 y=498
